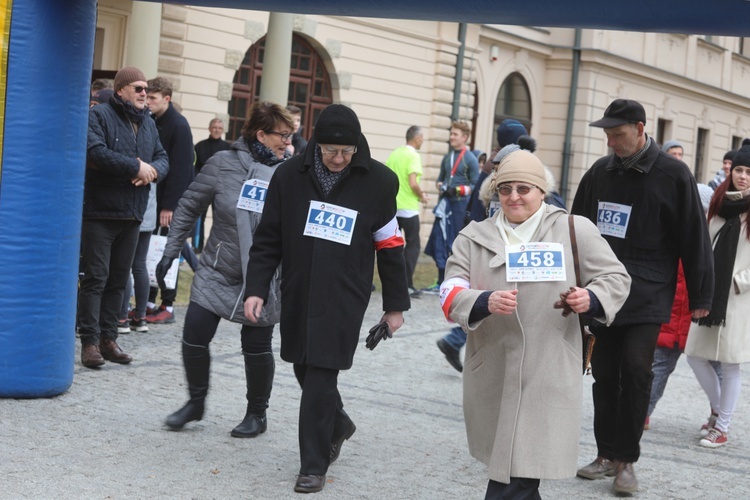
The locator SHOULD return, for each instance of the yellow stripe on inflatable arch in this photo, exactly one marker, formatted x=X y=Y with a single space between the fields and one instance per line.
x=5 y=7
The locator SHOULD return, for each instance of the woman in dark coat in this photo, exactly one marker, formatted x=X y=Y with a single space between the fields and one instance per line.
x=234 y=183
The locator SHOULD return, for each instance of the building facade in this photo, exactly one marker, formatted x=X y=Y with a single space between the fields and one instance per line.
x=396 y=73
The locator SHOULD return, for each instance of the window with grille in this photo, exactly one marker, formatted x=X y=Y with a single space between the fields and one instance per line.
x=309 y=85
x=513 y=101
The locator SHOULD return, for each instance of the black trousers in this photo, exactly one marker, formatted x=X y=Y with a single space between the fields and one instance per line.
x=410 y=226
x=201 y=324
x=519 y=488
x=107 y=250
x=621 y=366
x=317 y=414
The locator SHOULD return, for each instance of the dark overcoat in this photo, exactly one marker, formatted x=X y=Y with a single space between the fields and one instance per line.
x=326 y=286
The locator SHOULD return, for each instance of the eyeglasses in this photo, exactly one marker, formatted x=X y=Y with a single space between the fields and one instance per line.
x=521 y=189
x=333 y=152
x=138 y=89
x=284 y=136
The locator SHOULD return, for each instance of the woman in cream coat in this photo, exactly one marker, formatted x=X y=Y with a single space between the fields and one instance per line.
x=522 y=374
x=724 y=335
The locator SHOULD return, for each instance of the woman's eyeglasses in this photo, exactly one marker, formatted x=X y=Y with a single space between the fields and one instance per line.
x=284 y=136
x=521 y=189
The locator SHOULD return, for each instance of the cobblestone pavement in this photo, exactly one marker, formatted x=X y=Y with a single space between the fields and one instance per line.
x=105 y=438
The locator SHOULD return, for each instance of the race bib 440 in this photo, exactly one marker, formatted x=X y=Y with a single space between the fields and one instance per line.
x=330 y=222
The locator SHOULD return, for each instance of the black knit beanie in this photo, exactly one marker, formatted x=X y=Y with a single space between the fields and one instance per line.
x=338 y=124
x=742 y=158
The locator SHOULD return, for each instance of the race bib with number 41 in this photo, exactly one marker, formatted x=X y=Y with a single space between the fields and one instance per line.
x=330 y=222
x=253 y=195
x=535 y=262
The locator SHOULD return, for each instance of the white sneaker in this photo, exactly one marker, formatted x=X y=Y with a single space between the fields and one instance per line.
x=714 y=439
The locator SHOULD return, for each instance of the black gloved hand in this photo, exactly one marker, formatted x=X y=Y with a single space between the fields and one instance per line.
x=162 y=268
x=377 y=333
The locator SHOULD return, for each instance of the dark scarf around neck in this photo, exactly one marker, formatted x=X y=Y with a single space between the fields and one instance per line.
x=131 y=112
x=265 y=155
x=725 y=251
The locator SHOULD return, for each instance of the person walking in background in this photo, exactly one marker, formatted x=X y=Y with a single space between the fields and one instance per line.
x=327 y=273
x=723 y=334
x=177 y=139
x=673 y=335
x=508 y=132
x=298 y=142
x=459 y=172
x=722 y=174
x=234 y=182
x=673 y=149
x=621 y=193
x=204 y=150
x=522 y=384
x=138 y=280
x=118 y=178
x=407 y=165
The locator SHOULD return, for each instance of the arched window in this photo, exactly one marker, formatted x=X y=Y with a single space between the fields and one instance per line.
x=309 y=85
x=513 y=101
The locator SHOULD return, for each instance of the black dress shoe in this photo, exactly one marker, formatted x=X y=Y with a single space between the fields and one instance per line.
x=336 y=443
x=451 y=354
x=309 y=483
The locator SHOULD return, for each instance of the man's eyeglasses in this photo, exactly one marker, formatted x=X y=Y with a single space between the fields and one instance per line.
x=284 y=135
x=333 y=152
x=521 y=189
x=138 y=88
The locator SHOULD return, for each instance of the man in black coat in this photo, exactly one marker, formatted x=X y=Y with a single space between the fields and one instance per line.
x=177 y=139
x=123 y=157
x=327 y=213
x=204 y=150
x=646 y=205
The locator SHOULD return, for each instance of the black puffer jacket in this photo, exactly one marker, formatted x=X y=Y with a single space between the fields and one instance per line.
x=112 y=161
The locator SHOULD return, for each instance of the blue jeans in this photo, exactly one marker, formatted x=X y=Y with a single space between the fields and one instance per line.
x=456 y=338
x=665 y=361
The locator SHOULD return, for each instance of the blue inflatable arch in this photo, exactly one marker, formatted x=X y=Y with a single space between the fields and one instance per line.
x=49 y=47
x=45 y=68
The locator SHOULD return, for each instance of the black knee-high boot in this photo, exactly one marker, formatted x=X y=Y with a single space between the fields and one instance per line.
x=197 y=362
x=259 y=370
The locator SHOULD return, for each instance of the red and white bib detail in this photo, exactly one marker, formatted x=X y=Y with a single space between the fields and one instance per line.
x=448 y=291
x=388 y=236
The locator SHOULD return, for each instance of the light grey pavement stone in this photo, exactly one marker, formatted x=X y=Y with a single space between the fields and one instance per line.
x=105 y=438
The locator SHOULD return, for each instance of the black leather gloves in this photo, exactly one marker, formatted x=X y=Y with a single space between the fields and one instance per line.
x=161 y=271
x=377 y=333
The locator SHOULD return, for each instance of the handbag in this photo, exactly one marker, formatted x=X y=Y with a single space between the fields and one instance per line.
x=156 y=246
x=587 y=338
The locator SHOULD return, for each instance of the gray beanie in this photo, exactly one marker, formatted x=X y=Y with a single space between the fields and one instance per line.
x=671 y=144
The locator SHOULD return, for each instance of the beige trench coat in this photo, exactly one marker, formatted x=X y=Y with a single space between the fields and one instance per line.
x=522 y=374
x=728 y=343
